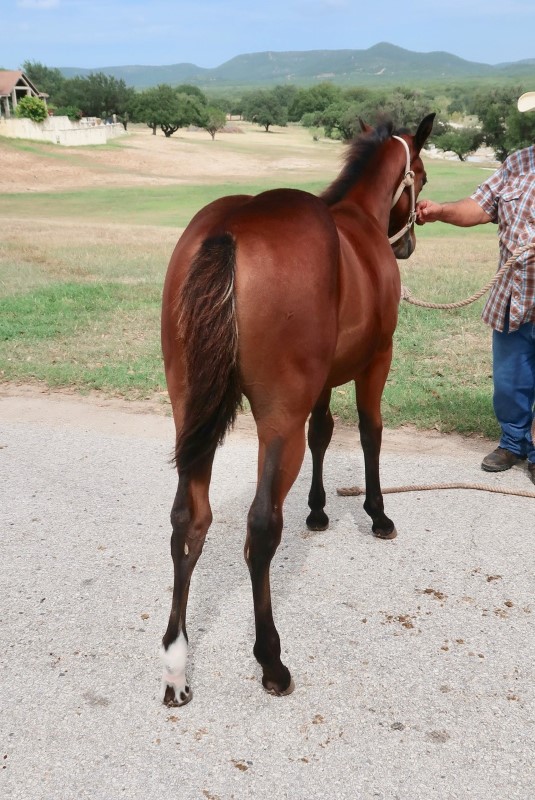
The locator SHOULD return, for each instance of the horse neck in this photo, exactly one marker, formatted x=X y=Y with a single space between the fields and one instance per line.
x=374 y=190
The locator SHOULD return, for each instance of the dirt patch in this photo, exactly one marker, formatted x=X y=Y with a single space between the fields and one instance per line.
x=139 y=158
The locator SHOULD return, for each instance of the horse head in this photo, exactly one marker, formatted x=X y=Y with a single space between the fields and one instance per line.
x=403 y=212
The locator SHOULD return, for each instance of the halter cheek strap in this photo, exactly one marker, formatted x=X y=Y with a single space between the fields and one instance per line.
x=408 y=181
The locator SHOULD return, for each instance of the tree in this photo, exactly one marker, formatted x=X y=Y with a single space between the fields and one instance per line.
x=264 y=108
x=505 y=129
x=31 y=108
x=520 y=131
x=403 y=106
x=312 y=119
x=97 y=95
x=213 y=120
x=236 y=107
x=72 y=112
x=145 y=107
x=167 y=109
x=285 y=95
x=185 y=110
x=340 y=120
x=496 y=109
x=193 y=91
x=310 y=101
x=221 y=102
x=461 y=141
x=47 y=80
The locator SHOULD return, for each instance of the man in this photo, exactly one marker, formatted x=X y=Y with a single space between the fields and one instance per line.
x=508 y=199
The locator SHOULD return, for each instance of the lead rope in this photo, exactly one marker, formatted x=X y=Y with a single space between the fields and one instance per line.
x=355 y=491
x=407 y=295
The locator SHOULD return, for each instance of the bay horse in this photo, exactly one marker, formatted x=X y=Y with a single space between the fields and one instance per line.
x=280 y=297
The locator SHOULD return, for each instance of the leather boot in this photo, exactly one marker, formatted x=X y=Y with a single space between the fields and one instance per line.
x=500 y=460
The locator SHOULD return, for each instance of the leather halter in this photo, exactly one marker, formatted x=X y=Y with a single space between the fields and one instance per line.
x=408 y=181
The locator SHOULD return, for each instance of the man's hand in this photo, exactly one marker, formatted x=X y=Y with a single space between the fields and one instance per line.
x=463 y=213
x=428 y=211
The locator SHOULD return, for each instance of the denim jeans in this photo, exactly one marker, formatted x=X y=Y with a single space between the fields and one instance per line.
x=514 y=387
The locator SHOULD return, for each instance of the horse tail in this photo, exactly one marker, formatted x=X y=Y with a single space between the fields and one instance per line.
x=208 y=327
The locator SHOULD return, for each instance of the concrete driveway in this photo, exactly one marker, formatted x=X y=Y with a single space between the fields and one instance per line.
x=414 y=659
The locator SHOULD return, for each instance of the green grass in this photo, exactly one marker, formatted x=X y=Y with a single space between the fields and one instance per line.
x=65 y=308
x=83 y=254
x=451 y=180
x=93 y=336
x=166 y=206
x=441 y=375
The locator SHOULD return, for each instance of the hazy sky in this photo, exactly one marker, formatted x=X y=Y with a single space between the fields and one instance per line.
x=104 y=33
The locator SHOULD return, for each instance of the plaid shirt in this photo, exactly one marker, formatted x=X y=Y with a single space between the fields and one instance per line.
x=508 y=197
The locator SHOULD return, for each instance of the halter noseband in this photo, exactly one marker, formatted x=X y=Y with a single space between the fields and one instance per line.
x=408 y=180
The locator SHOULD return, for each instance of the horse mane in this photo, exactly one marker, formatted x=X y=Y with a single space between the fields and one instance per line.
x=359 y=153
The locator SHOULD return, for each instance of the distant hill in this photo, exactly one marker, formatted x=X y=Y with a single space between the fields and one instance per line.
x=381 y=65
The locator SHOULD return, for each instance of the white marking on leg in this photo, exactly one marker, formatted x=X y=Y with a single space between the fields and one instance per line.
x=174 y=669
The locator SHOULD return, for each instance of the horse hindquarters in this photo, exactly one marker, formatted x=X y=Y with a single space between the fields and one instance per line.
x=287 y=315
x=200 y=354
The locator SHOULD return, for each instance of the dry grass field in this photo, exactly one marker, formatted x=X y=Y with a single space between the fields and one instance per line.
x=188 y=157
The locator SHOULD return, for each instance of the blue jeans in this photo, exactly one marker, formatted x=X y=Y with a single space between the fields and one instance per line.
x=514 y=387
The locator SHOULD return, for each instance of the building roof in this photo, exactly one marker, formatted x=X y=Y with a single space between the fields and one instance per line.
x=9 y=79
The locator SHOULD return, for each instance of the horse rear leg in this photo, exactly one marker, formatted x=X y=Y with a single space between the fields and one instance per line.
x=280 y=459
x=191 y=517
x=320 y=431
x=369 y=387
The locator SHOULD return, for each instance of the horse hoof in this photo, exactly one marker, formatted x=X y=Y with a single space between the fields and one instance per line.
x=170 y=698
x=271 y=689
x=385 y=534
x=318 y=521
x=317 y=527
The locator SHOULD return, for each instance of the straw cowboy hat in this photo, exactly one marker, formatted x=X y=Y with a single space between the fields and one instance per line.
x=526 y=102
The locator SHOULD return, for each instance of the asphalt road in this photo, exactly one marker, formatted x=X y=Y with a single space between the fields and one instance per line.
x=414 y=659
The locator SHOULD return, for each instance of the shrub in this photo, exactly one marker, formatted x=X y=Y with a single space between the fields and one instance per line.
x=32 y=108
x=72 y=112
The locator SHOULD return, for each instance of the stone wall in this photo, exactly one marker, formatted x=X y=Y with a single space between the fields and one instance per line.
x=60 y=130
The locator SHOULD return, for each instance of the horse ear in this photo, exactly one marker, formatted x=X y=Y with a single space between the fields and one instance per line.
x=424 y=130
x=365 y=128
